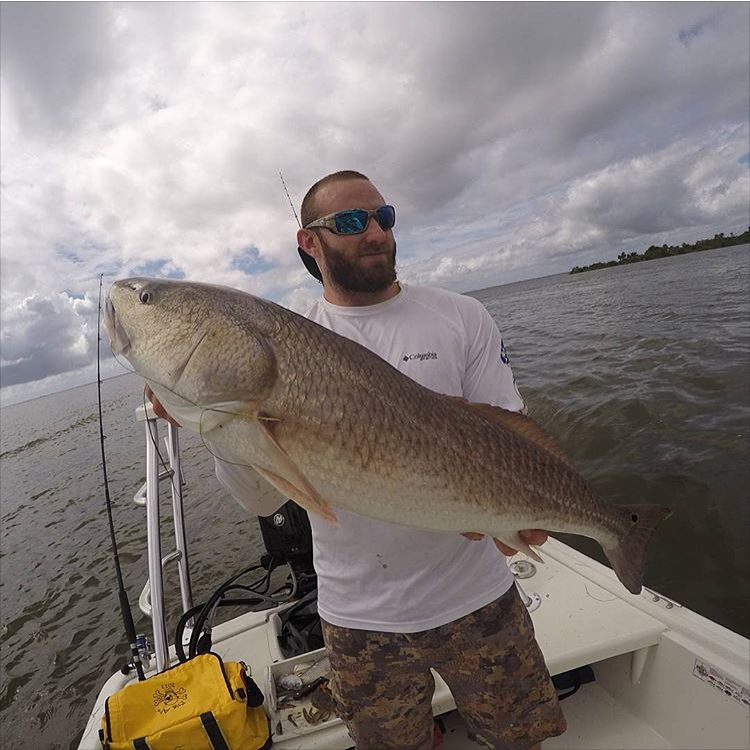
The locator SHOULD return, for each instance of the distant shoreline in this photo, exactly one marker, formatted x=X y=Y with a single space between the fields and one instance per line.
x=9 y=402
x=666 y=251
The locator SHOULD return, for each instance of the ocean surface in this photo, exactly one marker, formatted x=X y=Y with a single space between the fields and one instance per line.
x=641 y=372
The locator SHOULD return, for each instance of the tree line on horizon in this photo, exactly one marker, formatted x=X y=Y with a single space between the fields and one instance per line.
x=665 y=251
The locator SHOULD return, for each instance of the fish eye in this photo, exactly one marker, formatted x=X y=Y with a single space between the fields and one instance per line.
x=145 y=296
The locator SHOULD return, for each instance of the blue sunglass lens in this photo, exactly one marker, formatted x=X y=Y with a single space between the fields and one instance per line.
x=386 y=217
x=351 y=222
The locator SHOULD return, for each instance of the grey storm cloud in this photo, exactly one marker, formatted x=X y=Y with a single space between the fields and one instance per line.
x=46 y=336
x=56 y=56
x=515 y=139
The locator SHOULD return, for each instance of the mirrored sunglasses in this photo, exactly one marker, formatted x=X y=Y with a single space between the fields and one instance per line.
x=355 y=220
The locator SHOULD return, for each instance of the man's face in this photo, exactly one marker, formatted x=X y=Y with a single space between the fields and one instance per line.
x=360 y=262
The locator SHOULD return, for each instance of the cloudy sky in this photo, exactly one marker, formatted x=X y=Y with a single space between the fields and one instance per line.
x=515 y=140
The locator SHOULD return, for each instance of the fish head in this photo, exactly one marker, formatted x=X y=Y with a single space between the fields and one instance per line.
x=194 y=343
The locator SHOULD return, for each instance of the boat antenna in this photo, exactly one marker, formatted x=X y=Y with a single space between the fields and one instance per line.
x=290 y=200
x=127 y=614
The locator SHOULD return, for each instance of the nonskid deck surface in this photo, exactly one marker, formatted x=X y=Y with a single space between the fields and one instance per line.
x=595 y=722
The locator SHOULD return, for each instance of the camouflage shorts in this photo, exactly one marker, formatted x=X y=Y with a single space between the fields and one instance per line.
x=383 y=687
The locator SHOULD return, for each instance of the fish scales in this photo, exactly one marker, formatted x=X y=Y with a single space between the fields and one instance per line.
x=330 y=424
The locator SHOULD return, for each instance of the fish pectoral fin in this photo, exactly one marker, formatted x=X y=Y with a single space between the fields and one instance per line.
x=287 y=477
x=515 y=542
x=311 y=502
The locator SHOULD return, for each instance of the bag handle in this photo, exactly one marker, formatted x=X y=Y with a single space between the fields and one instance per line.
x=215 y=737
x=210 y=726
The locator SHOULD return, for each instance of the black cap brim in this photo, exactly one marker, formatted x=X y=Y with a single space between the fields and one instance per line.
x=310 y=264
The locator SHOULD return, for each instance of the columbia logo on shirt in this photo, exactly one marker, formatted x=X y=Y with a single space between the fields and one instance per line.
x=421 y=357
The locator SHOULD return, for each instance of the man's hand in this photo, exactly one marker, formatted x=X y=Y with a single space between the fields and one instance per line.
x=159 y=410
x=530 y=536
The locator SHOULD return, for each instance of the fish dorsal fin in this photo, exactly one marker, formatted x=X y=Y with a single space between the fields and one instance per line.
x=520 y=424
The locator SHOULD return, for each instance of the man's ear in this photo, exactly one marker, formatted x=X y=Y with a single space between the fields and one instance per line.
x=307 y=241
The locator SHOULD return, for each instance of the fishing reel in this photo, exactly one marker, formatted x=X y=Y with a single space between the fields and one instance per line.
x=144 y=653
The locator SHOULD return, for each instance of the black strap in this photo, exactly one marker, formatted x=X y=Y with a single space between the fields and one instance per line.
x=255 y=696
x=213 y=731
x=106 y=717
x=140 y=744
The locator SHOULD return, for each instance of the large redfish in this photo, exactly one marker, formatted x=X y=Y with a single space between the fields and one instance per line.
x=330 y=424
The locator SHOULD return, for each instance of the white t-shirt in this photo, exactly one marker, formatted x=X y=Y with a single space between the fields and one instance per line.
x=375 y=575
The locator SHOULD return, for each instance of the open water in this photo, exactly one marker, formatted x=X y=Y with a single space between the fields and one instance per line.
x=641 y=372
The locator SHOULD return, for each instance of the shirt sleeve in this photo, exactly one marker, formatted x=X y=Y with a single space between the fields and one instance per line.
x=240 y=481
x=489 y=378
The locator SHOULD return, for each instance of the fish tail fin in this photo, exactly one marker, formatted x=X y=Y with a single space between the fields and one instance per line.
x=628 y=556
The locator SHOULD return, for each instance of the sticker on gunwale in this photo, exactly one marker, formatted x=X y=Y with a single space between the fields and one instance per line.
x=716 y=678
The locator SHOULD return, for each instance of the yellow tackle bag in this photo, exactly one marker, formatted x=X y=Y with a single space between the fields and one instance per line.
x=200 y=704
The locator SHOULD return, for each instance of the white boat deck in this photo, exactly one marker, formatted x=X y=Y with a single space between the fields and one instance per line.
x=614 y=727
x=579 y=622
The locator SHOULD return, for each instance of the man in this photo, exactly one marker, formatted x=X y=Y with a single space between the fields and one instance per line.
x=440 y=595
x=394 y=600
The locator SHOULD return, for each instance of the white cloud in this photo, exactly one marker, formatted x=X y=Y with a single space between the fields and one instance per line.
x=514 y=139
x=672 y=194
x=47 y=335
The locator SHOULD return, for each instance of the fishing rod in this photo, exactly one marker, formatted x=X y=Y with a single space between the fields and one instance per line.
x=127 y=614
x=290 y=200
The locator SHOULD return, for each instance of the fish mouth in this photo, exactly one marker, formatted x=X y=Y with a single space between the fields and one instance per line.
x=117 y=336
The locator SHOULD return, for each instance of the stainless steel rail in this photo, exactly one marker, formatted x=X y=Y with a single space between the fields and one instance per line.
x=151 y=601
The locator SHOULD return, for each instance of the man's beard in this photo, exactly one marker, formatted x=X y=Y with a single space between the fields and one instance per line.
x=348 y=275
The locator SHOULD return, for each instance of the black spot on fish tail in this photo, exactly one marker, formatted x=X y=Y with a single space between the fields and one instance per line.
x=629 y=555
